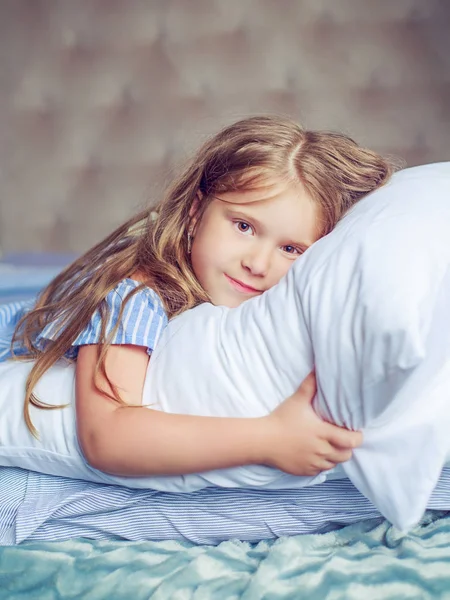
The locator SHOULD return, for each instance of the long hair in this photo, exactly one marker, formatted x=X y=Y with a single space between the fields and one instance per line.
x=334 y=169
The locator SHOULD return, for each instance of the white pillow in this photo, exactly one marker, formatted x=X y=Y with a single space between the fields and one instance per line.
x=370 y=300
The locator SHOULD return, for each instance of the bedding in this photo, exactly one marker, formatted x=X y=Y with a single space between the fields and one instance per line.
x=366 y=557
x=369 y=559
x=372 y=302
x=56 y=558
x=34 y=506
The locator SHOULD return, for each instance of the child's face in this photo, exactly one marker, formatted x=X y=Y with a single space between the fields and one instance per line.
x=245 y=242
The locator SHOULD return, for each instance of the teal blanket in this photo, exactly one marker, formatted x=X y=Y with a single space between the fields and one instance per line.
x=366 y=561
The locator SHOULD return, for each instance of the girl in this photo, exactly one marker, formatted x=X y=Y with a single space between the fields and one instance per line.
x=253 y=199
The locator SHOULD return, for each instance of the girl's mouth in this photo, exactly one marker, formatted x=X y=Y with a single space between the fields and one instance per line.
x=242 y=287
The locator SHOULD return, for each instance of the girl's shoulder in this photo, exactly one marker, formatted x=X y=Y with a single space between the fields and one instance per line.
x=134 y=315
x=135 y=312
x=145 y=295
x=138 y=295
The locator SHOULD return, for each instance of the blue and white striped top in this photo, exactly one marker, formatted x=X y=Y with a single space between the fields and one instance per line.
x=141 y=324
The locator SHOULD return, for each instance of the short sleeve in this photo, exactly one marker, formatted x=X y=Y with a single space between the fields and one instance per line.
x=141 y=323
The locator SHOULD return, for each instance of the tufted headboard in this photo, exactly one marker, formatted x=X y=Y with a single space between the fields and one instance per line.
x=101 y=99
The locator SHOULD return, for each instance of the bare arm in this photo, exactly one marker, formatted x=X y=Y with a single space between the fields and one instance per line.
x=138 y=441
x=141 y=441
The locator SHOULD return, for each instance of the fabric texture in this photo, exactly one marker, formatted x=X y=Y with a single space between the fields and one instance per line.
x=41 y=507
x=146 y=545
x=365 y=560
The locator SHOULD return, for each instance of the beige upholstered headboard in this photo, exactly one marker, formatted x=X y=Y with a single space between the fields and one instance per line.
x=100 y=99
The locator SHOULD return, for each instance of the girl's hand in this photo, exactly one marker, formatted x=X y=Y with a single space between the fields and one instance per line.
x=301 y=442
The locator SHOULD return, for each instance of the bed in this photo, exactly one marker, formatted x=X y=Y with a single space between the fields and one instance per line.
x=64 y=554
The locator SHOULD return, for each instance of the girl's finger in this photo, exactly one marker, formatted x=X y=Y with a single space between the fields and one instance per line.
x=308 y=387
x=342 y=438
x=324 y=465
x=339 y=455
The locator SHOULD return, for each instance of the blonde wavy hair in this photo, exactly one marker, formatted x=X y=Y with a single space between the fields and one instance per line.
x=334 y=169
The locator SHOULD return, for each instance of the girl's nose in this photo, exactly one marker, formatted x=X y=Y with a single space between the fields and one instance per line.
x=257 y=262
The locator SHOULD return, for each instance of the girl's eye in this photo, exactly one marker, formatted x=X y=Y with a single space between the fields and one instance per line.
x=243 y=227
x=291 y=250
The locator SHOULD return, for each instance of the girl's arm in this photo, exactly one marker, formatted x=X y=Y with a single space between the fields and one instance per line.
x=138 y=441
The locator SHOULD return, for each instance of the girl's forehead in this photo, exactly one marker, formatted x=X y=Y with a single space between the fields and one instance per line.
x=284 y=209
x=270 y=189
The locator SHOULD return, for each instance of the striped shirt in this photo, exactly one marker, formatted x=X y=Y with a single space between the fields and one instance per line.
x=141 y=323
